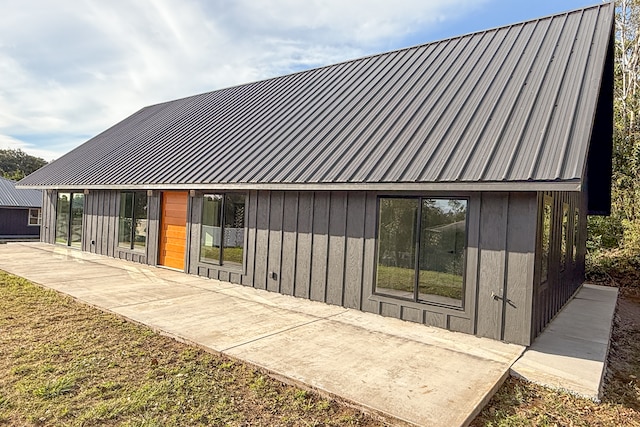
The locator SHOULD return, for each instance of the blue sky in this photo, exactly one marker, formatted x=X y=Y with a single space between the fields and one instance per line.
x=70 y=69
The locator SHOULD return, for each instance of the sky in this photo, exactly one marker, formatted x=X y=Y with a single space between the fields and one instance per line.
x=70 y=69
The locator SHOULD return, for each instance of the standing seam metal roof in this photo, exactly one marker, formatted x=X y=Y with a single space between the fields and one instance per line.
x=510 y=104
x=12 y=197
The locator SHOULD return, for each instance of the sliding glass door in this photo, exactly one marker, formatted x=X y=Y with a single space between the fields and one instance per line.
x=69 y=212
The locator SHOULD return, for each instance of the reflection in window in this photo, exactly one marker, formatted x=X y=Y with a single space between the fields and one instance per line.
x=77 y=209
x=565 y=236
x=62 y=218
x=69 y=213
x=546 y=237
x=222 y=229
x=421 y=249
x=576 y=228
x=132 y=223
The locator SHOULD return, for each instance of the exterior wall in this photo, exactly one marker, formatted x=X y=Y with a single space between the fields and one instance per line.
x=100 y=225
x=562 y=281
x=322 y=246
x=14 y=223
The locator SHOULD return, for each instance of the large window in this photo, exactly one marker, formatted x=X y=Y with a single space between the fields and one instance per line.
x=222 y=232
x=132 y=230
x=69 y=212
x=421 y=249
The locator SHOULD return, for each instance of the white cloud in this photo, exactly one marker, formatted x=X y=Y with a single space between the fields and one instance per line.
x=71 y=69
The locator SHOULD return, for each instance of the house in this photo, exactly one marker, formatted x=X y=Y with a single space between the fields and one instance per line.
x=20 y=212
x=446 y=183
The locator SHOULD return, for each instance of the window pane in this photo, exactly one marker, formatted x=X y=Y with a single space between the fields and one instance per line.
x=124 y=225
x=77 y=209
x=62 y=218
x=35 y=217
x=576 y=222
x=565 y=236
x=546 y=238
x=233 y=228
x=443 y=238
x=140 y=215
x=396 y=247
x=210 y=229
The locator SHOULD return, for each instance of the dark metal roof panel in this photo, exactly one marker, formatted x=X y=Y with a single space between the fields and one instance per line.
x=12 y=197
x=510 y=104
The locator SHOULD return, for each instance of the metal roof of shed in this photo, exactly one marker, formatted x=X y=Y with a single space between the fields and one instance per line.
x=12 y=197
x=507 y=108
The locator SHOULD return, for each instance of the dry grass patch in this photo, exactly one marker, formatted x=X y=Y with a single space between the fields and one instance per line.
x=518 y=403
x=64 y=363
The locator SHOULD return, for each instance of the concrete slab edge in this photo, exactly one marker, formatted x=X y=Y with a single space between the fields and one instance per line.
x=517 y=375
x=487 y=397
x=594 y=397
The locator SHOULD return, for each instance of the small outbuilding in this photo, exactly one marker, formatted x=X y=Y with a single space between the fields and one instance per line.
x=446 y=184
x=20 y=212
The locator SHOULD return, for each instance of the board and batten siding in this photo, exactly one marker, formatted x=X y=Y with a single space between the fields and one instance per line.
x=322 y=246
x=563 y=279
x=100 y=225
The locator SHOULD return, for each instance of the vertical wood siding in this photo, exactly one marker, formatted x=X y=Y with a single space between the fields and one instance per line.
x=551 y=295
x=100 y=225
x=48 y=232
x=322 y=246
x=15 y=222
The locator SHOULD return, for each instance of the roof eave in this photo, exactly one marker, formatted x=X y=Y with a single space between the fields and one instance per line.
x=558 y=185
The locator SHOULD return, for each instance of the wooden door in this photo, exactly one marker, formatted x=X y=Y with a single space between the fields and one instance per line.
x=173 y=229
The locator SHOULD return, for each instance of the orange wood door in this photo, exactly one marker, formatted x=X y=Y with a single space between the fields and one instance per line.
x=173 y=229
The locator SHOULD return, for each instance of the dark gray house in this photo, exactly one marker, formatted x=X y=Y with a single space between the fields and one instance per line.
x=20 y=212
x=446 y=184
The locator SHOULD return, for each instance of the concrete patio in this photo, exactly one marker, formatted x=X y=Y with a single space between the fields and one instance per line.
x=413 y=373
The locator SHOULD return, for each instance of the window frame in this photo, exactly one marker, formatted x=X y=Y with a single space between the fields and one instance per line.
x=220 y=263
x=430 y=299
x=38 y=217
x=132 y=233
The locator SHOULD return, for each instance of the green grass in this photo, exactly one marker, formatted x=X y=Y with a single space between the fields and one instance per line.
x=64 y=363
x=431 y=282
x=231 y=254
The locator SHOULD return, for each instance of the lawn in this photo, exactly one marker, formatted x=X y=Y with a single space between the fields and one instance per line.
x=64 y=363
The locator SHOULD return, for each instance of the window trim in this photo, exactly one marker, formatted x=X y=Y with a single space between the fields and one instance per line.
x=132 y=234
x=220 y=264
x=38 y=217
x=434 y=300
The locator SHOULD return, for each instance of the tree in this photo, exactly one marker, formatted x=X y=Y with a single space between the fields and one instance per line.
x=626 y=156
x=16 y=164
x=622 y=228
